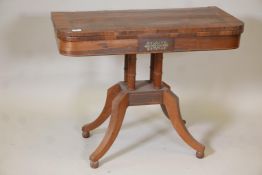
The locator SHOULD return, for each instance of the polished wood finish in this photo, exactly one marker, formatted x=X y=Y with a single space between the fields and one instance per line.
x=119 y=106
x=125 y=68
x=151 y=67
x=131 y=71
x=106 y=112
x=121 y=47
x=129 y=24
x=157 y=69
x=146 y=92
x=165 y=112
x=131 y=32
x=170 y=100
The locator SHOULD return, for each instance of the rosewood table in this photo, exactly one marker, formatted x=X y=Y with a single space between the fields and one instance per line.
x=132 y=32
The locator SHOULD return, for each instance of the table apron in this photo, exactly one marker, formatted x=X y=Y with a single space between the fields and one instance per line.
x=147 y=45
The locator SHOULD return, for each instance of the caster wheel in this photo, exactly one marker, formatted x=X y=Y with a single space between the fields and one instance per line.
x=94 y=164
x=200 y=155
x=85 y=134
x=184 y=121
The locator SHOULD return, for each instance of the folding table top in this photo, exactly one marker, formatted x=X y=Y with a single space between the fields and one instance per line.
x=142 y=31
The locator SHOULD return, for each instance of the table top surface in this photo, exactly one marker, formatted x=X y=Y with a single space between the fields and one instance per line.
x=145 y=31
x=131 y=23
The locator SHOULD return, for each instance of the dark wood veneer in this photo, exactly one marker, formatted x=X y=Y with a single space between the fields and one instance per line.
x=125 y=32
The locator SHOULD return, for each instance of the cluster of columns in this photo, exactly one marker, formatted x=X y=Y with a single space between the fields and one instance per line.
x=156 y=64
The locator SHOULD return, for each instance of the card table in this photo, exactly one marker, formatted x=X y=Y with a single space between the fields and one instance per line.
x=132 y=32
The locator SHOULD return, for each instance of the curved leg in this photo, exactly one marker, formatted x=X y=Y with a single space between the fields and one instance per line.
x=111 y=94
x=165 y=112
x=172 y=106
x=119 y=106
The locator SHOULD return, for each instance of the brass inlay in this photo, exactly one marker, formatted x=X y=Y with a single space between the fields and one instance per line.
x=156 y=45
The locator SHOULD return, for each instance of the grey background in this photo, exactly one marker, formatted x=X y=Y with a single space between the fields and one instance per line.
x=45 y=98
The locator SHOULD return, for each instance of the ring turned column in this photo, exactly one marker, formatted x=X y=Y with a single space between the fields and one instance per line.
x=130 y=71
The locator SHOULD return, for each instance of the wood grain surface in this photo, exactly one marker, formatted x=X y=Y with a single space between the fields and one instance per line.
x=145 y=31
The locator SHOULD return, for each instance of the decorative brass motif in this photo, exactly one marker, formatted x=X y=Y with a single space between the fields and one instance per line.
x=156 y=45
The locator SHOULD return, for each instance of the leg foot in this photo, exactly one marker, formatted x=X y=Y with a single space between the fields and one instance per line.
x=85 y=134
x=172 y=106
x=119 y=107
x=94 y=164
x=111 y=94
x=200 y=154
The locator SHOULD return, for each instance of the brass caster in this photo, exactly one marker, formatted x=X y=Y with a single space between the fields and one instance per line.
x=94 y=164
x=85 y=134
x=199 y=154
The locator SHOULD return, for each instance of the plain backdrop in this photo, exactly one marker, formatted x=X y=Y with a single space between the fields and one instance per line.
x=45 y=98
